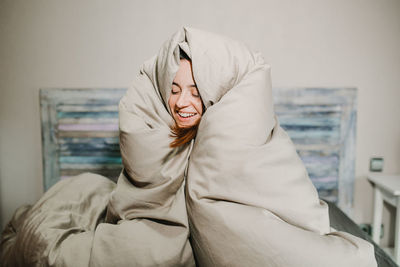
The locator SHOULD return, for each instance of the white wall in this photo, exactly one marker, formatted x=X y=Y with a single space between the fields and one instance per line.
x=102 y=44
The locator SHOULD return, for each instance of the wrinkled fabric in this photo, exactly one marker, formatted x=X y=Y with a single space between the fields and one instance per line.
x=250 y=201
x=238 y=192
x=58 y=230
x=146 y=222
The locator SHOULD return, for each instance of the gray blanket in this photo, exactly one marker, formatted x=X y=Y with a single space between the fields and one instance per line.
x=247 y=197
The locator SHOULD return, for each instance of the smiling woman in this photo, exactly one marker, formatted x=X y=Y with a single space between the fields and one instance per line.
x=185 y=103
x=238 y=195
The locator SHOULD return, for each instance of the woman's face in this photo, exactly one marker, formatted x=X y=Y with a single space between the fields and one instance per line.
x=185 y=102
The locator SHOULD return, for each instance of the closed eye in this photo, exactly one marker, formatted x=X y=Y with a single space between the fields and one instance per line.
x=195 y=92
x=174 y=89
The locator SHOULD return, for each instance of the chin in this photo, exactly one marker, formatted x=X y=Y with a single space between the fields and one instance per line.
x=186 y=125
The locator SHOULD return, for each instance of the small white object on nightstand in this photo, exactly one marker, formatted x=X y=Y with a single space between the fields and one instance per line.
x=386 y=188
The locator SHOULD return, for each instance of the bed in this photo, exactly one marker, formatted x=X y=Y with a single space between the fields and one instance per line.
x=80 y=134
x=340 y=221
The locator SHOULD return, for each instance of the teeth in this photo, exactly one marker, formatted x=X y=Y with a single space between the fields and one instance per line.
x=185 y=115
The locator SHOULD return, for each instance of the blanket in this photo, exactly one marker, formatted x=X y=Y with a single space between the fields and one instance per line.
x=249 y=198
x=237 y=195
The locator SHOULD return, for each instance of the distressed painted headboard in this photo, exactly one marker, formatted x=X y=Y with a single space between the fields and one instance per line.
x=80 y=134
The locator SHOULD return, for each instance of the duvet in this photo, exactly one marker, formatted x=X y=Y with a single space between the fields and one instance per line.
x=237 y=195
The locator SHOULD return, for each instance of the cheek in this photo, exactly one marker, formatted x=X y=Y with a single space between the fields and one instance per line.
x=171 y=103
x=199 y=106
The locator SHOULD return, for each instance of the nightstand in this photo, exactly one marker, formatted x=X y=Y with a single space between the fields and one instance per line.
x=386 y=188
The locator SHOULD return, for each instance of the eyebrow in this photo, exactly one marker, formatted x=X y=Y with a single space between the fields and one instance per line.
x=192 y=85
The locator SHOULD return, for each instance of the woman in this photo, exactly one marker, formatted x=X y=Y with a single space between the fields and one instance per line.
x=185 y=103
x=239 y=184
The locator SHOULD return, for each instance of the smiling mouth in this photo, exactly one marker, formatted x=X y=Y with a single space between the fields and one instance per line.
x=185 y=115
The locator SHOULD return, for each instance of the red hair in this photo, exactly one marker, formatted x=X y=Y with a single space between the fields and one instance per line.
x=183 y=135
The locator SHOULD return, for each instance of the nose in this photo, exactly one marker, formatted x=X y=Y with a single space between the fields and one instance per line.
x=183 y=100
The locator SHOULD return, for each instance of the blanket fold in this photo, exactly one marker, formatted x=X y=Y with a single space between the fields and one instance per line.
x=59 y=229
x=250 y=201
x=146 y=222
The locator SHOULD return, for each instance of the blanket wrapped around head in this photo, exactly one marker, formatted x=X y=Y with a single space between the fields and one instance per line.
x=249 y=199
x=238 y=192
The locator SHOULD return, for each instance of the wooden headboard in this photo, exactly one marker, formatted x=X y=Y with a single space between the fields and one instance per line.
x=80 y=134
